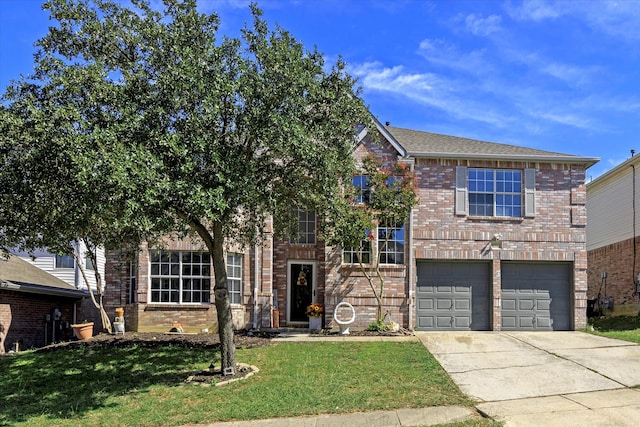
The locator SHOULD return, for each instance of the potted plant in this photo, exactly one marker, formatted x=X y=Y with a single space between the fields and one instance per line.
x=84 y=330
x=315 y=311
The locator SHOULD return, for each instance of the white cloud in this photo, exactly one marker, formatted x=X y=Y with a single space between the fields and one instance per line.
x=428 y=89
x=439 y=52
x=564 y=118
x=480 y=26
x=616 y=18
x=534 y=10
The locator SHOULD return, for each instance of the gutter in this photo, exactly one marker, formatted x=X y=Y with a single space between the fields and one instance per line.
x=587 y=161
x=41 y=290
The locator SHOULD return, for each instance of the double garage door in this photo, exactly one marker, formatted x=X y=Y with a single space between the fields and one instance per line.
x=457 y=296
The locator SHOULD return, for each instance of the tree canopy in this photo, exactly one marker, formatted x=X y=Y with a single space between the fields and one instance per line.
x=138 y=122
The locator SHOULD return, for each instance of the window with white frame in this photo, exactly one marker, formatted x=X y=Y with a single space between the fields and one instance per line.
x=363 y=190
x=361 y=254
x=391 y=243
x=234 y=277
x=306 y=228
x=495 y=192
x=180 y=277
x=64 y=261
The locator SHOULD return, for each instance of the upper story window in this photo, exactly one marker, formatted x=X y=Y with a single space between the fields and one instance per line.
x=363 y=190
x=306 y=228
x=234 y=277
x=64 y=261
x=180 y=277
x=495 y=192
x=89 y=264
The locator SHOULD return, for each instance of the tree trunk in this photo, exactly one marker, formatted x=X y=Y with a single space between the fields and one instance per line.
x=223 y=304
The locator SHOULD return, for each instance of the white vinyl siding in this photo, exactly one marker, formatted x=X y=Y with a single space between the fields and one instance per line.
x=610 y=210
x=47 y=262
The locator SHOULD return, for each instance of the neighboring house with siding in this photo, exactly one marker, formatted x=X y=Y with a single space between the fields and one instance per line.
x=497 y=242
x=36 y=308
x=613 y=235
x=64 y=267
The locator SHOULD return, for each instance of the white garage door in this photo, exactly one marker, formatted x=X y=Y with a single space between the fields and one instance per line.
x=536 y=296
x=453 y=296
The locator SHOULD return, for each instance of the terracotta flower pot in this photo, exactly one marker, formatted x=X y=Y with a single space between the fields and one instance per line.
x=83 y=331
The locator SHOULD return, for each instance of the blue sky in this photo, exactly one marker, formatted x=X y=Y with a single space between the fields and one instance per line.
x=557 y=75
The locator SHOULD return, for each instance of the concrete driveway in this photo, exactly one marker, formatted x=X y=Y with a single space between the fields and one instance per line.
x=543 y=378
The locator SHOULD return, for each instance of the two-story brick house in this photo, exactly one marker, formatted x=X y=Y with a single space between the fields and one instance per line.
x=497 y=241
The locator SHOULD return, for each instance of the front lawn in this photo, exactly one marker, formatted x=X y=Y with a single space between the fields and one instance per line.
x=145 y=386
x=625 y=327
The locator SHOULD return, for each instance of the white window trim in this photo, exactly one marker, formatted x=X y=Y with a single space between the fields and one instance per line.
x=528 y=193
x=231 y=277
x=180 y=278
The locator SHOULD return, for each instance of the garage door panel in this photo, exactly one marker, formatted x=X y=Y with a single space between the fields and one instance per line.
x=444 y=304
x=536 y=296
x=444 y=321
x=526 y=322
x=543 y=322
x=427 y=321
x=443 y=289
x=459 y=292
x=425 y=304
x=526 y=304
x=509 y=322
x=462 y=304
x=462 y=322
x=509 y=304
x=543 y=305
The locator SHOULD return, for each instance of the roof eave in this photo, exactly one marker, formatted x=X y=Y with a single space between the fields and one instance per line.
x=587 y=161
x=41 y=290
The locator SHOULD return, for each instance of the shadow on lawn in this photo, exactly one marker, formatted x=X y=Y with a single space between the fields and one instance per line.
x=68 y=382
x=615 y=323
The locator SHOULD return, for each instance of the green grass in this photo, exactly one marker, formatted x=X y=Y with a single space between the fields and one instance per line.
x=624 y=327
x=145 y=387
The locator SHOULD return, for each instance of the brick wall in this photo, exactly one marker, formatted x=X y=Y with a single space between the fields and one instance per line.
x=556 y=233
x=22 y=317
x=617 y=261
x=144 y=316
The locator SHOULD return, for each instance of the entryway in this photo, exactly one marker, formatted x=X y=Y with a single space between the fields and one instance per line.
x=301 y=289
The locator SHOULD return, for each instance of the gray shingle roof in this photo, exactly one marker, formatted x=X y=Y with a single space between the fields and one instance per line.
x=18 y=275
x=427 y=144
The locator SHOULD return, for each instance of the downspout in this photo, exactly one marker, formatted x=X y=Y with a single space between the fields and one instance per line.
x=256 y=272
x=635 y=279
x=410 y=271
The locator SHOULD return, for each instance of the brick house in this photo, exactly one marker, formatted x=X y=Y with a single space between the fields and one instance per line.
x=36 y=308
x=497 y=242
x=613 y=235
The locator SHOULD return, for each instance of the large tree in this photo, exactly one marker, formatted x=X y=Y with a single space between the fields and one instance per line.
x=168 y=126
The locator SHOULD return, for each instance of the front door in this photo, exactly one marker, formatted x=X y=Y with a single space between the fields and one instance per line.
x=301 y=290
